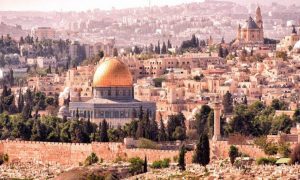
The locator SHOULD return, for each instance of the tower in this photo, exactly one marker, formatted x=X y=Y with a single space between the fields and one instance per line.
x=217 y=115
x=259 y=23
x=258 y=18
x=239 y=32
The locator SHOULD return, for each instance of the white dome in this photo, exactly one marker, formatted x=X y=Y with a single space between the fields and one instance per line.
x=63 y=112
x=297 y=45
x=195 y=111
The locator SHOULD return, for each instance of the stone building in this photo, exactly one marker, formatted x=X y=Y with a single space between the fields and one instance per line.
x=288 y=42
x=252 y=31
x=113 y=96
x=43 y=33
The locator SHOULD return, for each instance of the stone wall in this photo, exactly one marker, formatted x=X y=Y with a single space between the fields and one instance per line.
x=220 y=149
x=74 y=153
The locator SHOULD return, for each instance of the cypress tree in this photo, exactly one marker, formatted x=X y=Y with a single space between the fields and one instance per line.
x=11 y=77
x=201 y=119
x=77 y=114
x=181 y=158
x=20 y=101
x=153 y=130
x=228 y=103
x=162 y=136
x=245 y=101
x=169 y=44
x=221 y=52
x=164 y=48
x=202 y=151
x=145 y=166
x=26 y=112
x=103 y=131
x=140 y=132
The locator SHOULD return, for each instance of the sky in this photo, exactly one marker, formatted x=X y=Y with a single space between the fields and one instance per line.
x=80 y=5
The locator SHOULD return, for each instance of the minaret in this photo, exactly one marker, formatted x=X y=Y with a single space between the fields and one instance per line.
x=259 y=22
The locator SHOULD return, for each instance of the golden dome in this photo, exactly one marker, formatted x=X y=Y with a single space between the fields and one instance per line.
x=112 y=73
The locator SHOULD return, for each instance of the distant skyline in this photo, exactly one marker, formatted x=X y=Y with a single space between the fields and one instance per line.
x=81 y=5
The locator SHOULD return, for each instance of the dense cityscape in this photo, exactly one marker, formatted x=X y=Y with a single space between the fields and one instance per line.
x=200 y=90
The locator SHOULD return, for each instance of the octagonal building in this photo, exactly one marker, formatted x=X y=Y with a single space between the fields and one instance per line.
x=113 y=96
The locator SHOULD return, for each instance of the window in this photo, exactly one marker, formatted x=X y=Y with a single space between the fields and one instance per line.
x=107 y=114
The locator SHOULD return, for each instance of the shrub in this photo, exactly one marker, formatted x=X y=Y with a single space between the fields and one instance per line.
x=91 y=159
x=94 y=177
x=295 y=156
x=119 y=159
x=175 y=159
x=260 y=141
x=165 y=163
x=284 y=149
x=136 y=165
x=147 y=144
x=3 y=158
x=264 y=161
x=271 y=149
x=233 y=153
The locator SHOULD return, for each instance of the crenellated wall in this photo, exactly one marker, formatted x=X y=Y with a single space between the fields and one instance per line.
x=74 y=153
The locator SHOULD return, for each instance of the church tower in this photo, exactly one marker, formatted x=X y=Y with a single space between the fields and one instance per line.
x=239 y=32
x=259 y=22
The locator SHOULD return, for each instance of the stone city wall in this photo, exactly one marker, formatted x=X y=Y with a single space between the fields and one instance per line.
x=220 y=149
x=74 y=153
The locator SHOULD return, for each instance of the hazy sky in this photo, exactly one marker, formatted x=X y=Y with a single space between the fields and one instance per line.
x=79 y=5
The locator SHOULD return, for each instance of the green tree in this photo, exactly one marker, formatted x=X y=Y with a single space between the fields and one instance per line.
x=179 y=133
x=174 y=122
x=162 y=136
x=233 y=153
x=136 y=165
x=181 y=158
x=38 y=131
x=48 y=71
x=202 y=152
x=164 y=48
x=169 y=44
x=202 y=120
x=279 y=105
x=145 y=166
x=20 y=101
x=103 y=131
x=140 y=132
x=227 y=103
x=284 y=149
x=220 y=52
x=153 y=130
x=91 y=159
x=296 y=116
x=281 y=123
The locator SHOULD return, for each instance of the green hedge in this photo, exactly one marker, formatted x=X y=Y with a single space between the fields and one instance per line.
x=165 y=163
x=264 y=161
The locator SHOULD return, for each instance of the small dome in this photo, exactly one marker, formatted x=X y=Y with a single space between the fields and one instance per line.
x=250 y=24
x=195 y=111
x=112 y=73
x=63 y=112
x=297 y=46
